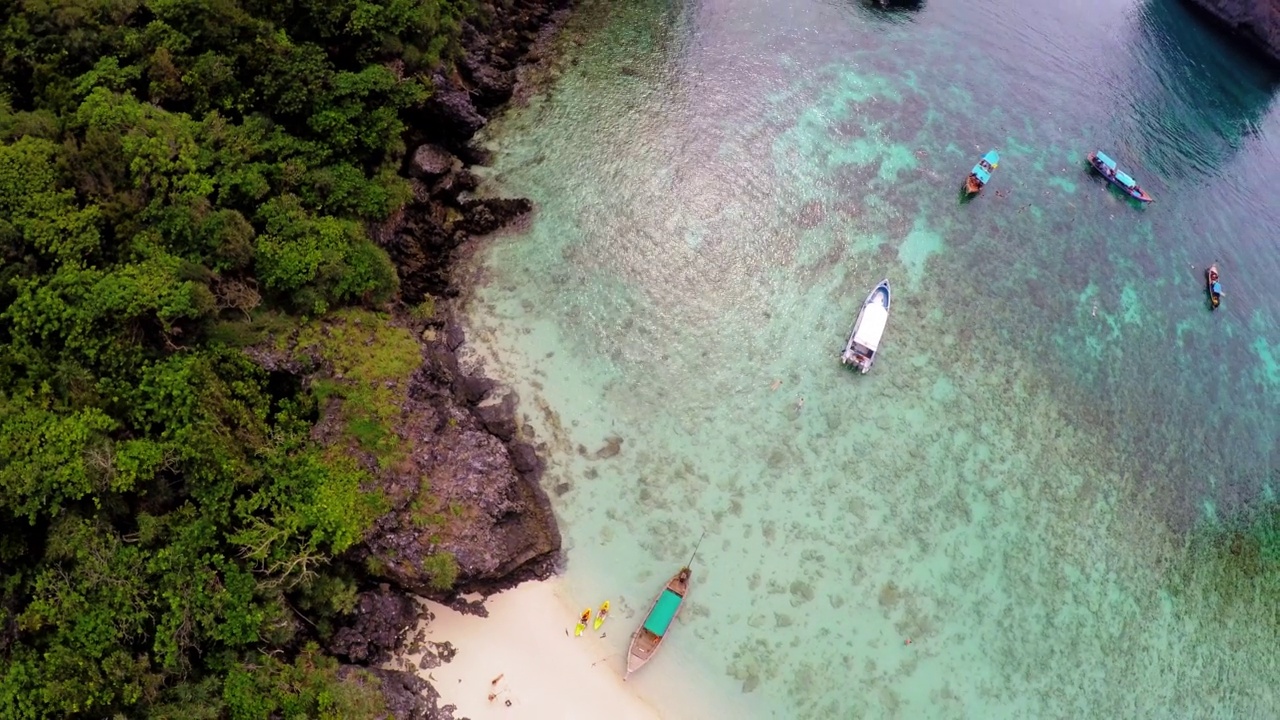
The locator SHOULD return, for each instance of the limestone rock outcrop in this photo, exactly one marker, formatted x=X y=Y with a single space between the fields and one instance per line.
x=1258 y=21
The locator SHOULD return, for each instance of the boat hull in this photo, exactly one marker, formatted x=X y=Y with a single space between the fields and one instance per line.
x=645 y=642
x=1110 y=176
x=980 y=175
x=862 y=347
x=1210 y=277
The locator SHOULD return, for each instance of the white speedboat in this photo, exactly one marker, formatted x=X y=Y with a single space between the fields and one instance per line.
x=864 y=339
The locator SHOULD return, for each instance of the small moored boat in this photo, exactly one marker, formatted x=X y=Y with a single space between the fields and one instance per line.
x=646 y=641
x=980 y=175
x=648 y=638
x=1108 y=169
x=1213 y=286
x=864 y=338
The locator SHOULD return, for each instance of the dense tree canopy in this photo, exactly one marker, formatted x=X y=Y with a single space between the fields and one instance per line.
x=167 y=167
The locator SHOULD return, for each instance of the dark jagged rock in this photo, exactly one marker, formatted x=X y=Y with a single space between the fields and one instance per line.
x=481 y=217
x=454 y=335
x=482 y=508
x=422 y=192
x=473 y=154
x=452 y=185
x=492 y=85
x=465 y=181
x=451 y=111
x=408 y=697
x=499 y=418
x=1258 y=21
x=430 y=161
x=436 y=654
x=379 y=622
x=467 y=489
x=472 y=390
x=525 y=458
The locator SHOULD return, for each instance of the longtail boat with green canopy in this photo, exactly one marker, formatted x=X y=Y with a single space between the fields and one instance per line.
x=647 y=640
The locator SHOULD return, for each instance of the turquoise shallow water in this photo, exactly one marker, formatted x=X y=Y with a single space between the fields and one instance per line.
x=1031 y=483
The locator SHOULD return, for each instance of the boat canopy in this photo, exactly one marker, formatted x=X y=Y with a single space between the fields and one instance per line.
x=663 y=613
x=874 y=318
x=1126 y=180
x=983 y=174
x=1102 y=158
x=1217 y=287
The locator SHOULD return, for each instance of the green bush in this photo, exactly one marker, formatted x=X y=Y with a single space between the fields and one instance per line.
x=442 y=569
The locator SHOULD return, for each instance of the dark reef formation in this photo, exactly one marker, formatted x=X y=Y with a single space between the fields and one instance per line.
x=1258 y=21
x=463 y=451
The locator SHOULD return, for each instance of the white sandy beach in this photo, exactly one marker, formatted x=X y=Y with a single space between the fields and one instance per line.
x=544 y=672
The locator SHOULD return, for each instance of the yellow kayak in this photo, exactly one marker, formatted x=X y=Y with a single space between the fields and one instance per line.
x=604 y=613
x=582 y=622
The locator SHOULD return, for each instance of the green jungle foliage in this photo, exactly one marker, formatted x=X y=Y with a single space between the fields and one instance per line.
x=169 y=167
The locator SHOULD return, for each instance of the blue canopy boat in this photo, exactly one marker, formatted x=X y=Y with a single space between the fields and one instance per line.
x=1111 y=172
x=1213 y=286
x=981 y=173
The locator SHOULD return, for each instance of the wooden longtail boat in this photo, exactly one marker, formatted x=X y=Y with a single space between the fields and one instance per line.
x=648 y=638
x=1108 y=169
x=1213 y=286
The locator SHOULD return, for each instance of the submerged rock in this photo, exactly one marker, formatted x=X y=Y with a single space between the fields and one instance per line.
x=811 y=215
x=612 y=447
x=481 y=217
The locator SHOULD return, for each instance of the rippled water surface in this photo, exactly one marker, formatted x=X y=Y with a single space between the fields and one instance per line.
x=1032 y=485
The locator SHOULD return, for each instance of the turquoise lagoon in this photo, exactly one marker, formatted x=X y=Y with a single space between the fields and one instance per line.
x=1035 y=482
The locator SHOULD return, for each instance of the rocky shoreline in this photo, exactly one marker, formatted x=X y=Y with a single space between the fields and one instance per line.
x=1257 y=22
x=463 y=447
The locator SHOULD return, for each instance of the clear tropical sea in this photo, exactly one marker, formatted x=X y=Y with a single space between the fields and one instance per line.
x=1051 y=480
